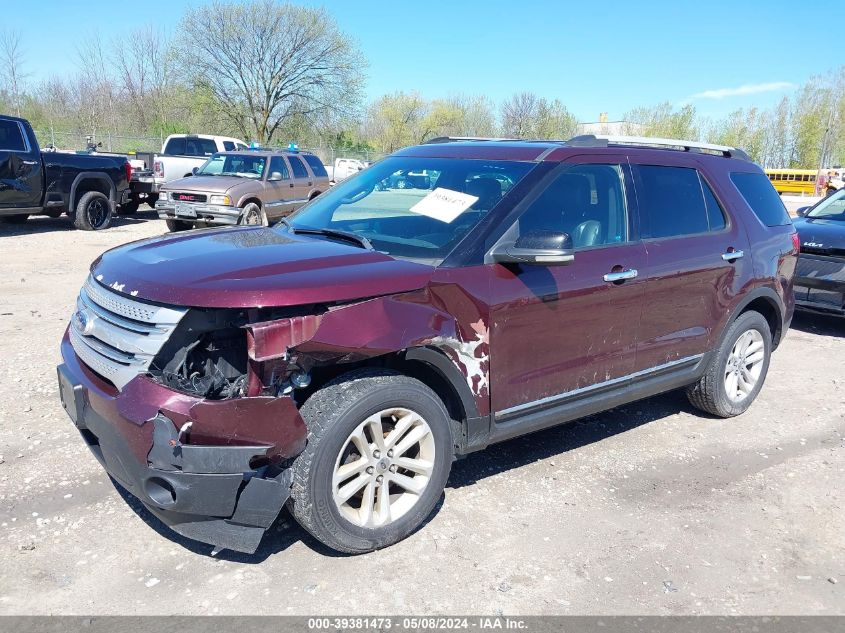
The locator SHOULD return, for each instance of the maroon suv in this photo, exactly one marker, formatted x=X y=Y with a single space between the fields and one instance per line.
x=340 y=361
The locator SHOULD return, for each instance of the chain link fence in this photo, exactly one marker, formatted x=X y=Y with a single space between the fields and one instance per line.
x=123 y=144
x=119 y=143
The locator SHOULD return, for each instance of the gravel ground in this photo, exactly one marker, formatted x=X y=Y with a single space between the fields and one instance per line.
x=651 y=508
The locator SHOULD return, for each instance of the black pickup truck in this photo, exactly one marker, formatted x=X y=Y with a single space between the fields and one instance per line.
x=88 y=188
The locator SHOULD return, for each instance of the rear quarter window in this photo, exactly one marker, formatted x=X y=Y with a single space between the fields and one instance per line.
x=175 y=147
x=761 y=197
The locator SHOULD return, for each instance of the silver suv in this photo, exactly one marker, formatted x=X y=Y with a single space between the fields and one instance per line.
x=245 y=187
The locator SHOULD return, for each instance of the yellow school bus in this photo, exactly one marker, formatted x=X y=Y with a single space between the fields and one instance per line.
x=795 y=181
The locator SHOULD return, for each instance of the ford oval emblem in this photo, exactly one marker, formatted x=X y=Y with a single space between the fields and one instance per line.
x=84 y=321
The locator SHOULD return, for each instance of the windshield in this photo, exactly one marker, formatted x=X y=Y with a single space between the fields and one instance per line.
x=418 y=208
x=831 y=208
x=234 y=165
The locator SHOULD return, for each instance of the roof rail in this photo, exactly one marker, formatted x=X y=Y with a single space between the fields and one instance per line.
x=603 y=140
x=457 y=139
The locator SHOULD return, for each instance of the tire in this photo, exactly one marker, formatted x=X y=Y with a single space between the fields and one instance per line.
x=16 y=219
x=174 y=226
x=711 y=392
x=53 y=214
x=93 y=212
x=336 y=412
x=253 y=215
x=130 y=208
x=151 y=200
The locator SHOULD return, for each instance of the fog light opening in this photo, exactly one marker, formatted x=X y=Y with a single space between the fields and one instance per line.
x=160 y=491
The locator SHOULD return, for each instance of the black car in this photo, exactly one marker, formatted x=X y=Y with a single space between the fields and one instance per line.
x=86 y=187
x=820 y=276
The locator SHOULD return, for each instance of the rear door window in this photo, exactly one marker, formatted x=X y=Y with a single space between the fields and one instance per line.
x=200 y=146
x=229 y=146
x=11 y=138
x=715 y=215
x=761 y=197
x=671 y=201
x=298 y=167
x=316 y=166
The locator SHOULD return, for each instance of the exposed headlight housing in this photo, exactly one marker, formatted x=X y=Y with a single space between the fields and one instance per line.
x=163 y=195
x=226 y=200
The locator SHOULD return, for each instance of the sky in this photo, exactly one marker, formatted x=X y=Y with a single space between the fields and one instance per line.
x=607 y=56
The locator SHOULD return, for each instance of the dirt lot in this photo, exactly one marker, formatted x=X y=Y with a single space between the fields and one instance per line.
x=650 y=508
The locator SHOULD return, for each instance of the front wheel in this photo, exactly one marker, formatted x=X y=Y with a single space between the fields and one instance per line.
x=93 y=212
x=253 y=215
x=377 y=459
x=736 y=373
x=175 y=226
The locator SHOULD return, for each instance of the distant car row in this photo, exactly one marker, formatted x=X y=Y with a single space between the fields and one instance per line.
x=229 y=182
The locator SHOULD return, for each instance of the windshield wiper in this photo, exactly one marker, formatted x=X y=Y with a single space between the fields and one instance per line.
x=336 y=233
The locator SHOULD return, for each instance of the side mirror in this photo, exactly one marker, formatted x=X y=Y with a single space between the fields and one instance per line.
x=276 y=175
x=802 y=211
x=195 y=171
x=544 y=248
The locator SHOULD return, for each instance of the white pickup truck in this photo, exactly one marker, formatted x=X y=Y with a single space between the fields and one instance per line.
x=181 y=153
x=345 y=167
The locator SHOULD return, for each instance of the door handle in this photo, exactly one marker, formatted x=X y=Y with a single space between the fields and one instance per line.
x=291 y=185
x=29 y=162
x=732 y=255
x=622 y=275
x=309 y=183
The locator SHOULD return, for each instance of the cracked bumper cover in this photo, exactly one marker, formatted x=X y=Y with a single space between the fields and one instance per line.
x=208 y=492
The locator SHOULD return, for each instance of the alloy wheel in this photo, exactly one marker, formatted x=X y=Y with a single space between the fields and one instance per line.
x=744 y=364
x=383 y=467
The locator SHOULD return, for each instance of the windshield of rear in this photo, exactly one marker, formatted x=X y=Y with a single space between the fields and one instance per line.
x=243 y=165
x=831 y=208
x=416 y=208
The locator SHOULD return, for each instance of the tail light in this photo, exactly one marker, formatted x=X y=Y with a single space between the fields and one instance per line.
x=796 y=242
x=128 y=169
x=158 y=169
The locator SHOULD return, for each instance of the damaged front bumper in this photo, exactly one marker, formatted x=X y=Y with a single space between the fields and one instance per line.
x=223 y=486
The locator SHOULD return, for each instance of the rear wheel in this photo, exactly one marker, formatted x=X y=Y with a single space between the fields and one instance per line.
x=93 y=212
x=737 y=371
x=377 y=459
x=253 y=215
x=175 y=226
x=130 y=208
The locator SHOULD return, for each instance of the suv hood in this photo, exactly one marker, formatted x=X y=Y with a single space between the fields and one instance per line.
x=207 y=184
x=823 y=233
x=246 y=267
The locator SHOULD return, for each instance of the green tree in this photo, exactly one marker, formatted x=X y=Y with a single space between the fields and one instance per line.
x=266 y=63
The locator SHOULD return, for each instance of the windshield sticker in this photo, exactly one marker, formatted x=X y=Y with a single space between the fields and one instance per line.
x=444 y=204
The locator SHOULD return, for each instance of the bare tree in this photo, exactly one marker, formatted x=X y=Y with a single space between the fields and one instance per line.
x=267 y=62
x=11 y=66
x=518 y=112
x=145 y=62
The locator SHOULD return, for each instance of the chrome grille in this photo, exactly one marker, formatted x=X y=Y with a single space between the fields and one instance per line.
x=117 y=336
